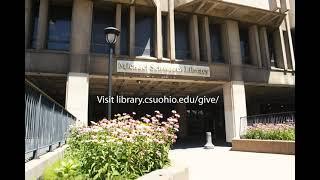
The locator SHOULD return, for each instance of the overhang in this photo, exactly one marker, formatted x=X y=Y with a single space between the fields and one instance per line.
x=222 y=9
x=149 y=3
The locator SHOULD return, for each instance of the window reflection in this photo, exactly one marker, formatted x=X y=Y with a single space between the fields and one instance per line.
x=59 y=28
x=102 y=18
x=244 y=46
x=272 y=50
x=216 y=43
x=34 y=26
x=144 y=29
x=182 y=46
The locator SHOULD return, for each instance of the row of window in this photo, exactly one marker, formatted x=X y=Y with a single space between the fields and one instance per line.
x=59 y=30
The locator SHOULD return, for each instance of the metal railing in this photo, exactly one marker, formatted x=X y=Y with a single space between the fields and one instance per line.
x=274 y=118
x=46 y=122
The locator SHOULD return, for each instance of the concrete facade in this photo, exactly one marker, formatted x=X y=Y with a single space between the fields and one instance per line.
x=84 y=72
x=234 y=108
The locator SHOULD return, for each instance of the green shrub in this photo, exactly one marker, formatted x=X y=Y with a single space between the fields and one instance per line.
x=271 y=132
x=122 y=148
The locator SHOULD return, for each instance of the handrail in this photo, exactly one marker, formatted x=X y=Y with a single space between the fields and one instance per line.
x=46 y=121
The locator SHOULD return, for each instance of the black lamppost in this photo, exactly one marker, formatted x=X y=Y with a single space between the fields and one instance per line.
x=111 y=39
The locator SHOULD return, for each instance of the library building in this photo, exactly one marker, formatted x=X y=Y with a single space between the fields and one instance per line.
x=241 y=51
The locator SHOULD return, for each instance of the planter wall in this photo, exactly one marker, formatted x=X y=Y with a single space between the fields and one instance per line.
x=264 y=146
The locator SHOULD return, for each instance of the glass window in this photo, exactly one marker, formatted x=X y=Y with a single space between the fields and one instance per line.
x=59 y=28
x=34 y=25
x=124 y=36
x=144 y=30
x=182 y=47
x=102 y=18
x=216 y=43
x=244 y=46
x=272 y=50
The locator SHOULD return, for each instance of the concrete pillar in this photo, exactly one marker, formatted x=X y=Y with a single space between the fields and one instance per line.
x=80 y=34
x=171 y=42
x=194 y=38
x=132 y=31
x=77 y=88
x=290 y=48
x=42 y=24
x=182 y=111
x=205 y=38
x=231 y=47
x=77 y=96
x=118 y=26
x=254 y=46
x=280 y=50
x=27 y=22
x=265 y=55
x=158 y=41
x=234 y=107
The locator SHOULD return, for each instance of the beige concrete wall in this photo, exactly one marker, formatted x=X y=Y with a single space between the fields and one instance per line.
x=164 y=5
x=34 y=169
x=42 y=24
x=27 y=21
x=255 y=46
x=262 y=4
x=277 y=77
x=264 y=146
x=234 y=107
x=77 y=96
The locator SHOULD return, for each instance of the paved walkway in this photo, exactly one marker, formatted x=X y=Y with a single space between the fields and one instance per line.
x=222 y=164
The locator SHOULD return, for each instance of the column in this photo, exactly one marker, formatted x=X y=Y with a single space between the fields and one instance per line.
x=42 y=24
x=234 y=107
x=118 y=26
x=194 y=38
x=27 y=22
x=171 y=42
x=132 y=32
x=158 y=48
x=182 y=111
x=231 y=47
x=77 y=87
x=77 y=96
x=254 y=46
x=265 y=55
x=280 y=50
x=206 y=38
x=290 y=42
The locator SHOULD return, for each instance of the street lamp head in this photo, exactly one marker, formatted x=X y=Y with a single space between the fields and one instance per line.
x=111 y=35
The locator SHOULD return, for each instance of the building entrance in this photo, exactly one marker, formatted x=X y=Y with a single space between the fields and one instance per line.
x=206 y=118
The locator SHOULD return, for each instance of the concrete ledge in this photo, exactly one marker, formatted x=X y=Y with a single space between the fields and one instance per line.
x=264 y=146
x=35 y=168
x=175 y=172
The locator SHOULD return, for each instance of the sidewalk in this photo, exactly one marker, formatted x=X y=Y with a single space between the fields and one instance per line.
x=222 y=164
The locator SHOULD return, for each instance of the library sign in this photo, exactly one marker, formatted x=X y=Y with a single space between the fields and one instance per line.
x=162 y=68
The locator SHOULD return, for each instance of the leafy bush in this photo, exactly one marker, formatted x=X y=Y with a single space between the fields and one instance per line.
x=271 y=132
x=121 y=148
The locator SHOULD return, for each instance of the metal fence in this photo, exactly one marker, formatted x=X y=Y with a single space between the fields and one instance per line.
x=46 y=122
x=274 y=118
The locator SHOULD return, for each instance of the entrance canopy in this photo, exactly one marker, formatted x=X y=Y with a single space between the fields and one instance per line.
x=231 y=11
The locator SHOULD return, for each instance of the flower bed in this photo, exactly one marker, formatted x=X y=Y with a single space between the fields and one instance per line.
x=267 y=138
x=270 y=131
x=122 y=148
